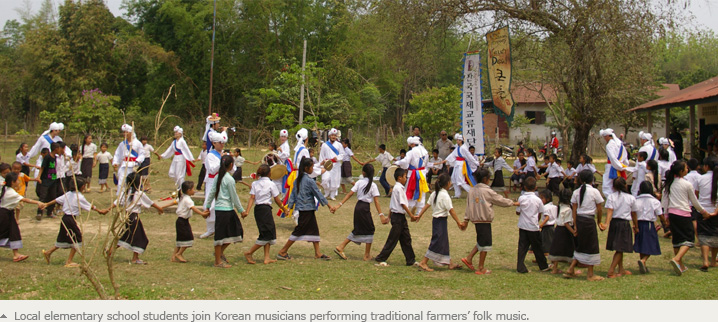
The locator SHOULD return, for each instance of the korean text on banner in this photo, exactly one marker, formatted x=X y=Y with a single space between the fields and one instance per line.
x=499 y=60
x=471 y=122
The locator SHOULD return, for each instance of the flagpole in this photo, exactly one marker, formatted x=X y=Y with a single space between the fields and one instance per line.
x=211 y=66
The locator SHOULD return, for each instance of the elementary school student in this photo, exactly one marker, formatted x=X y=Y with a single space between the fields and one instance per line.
x=530 y=209
x=568 y=180
x=23 y=181
x=554 y=174
x=10 y=236
x=262 y=193
x=498 y=164
x=479 y=211
x=385 y=159
x=587 y=204
x=48 y=180
x=103 y=159
x=564 y=236
x=548 y=220
x=399 y=233
x=648 y=209
x=620 y=216
x=185 y=207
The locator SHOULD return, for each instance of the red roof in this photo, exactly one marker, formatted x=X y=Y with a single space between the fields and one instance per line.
x=703 y=92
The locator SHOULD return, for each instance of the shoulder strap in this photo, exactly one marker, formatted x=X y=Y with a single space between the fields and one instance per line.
x=331 y=146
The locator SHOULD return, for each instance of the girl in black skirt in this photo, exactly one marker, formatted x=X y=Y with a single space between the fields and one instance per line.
x=587 y=204
x=442 y=207
x=134 y=237
x=347 y=165
x=648 y=209
x=564 y=236
x=9 y=199
x=620 y=214
x=70 y=235
x=227 y=227
x=262 y=193
x=185 y=207
x=363 y=232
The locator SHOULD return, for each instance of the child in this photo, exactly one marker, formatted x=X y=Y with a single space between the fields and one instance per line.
x=442 y=207
x=586 y=203
x=434 y=165
x=311 y=155
x=399 y=233
x=103 y=158
x=9 y=199
x=554 y=174
x=653 y=177
x=22 y=180
x=238 y=163
x=543 y=168
x=663 y=164
x=38 y=163
x=363 y=232
x=262 y=192
x=519 y=170
x=134 y=199
x=498 y=164
x=402 y=155
x=530 y=209
x=223 y=194
x=708 y=227
x=24 y=158
x=648 y=209
x=564 y=236
x=568 y=180
x=481 y=198
x=302 y=199
x=548 y=220
x=144 y=169
x=74 y=165
x=620 y=212
x=5 y=169
x=88 y=150
x=639 y=172
x=385 y=159
x=48 y=180
x=185 y=207
x=347 y=165
x=70 y=235
x=585 y=162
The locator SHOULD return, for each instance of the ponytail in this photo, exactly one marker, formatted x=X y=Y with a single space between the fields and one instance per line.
x=674 y=172
x=225 y=163
x=20 y=148
x=368 y=170
x=619 y=184
x=10 y=178
x=184 y=188
x=441 y=182
x=585 y=177
x=654 y=169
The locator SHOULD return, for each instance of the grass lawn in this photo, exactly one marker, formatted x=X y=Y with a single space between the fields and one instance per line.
x=307 y=278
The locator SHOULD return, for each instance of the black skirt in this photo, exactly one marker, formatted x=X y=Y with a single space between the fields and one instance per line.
x=346 y=169
x=587 y=251
x=682 y=232
x=363 y=224
x=547 y=233
x=70 y=235
x=185 y=238
x=145 y=167
x=104 y=170
x=237 y=176
x=227 y=228
x=708 y=227
x=86 y=167
x=484 y=240
x=9 y=230
x=307 y=229
x=554 y=184
x=265 y=225
x=562 y=246
x=498 y=179
x=620 y=236
x=439 y=245
x=135 y=238
x=646 y=241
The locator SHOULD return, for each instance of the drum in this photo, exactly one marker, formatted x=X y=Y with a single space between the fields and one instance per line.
x=390 y=175
x=277 y=169
x=328 y=165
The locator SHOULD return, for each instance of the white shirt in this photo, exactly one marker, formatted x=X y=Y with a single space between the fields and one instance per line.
x=284 y=153
x=550 y=211
x=385 y=159
x=398 y=198
x=671 y=155
x=147 y=149
x=693 y=177
x=530 y=165
x=587 y=166
x=651 y=151
x=203 y=155
x=554 y=170
x=570 y=172
x=622 y=204
x=680 y=196
x=326 y=153
x=104 y=157
x=499 y=164
x=518 y=165
x=639 y=175
x=591 y=198
x=565 y=215
x=177 y=144
x=238 y=161
x=11 y=199
x=663 y=167
x=358 y=188
x=529 y=209
x=184 y=207
x=442 y=206
x=60 y=166
x=89 y=150
x=613 y=149
x=264 y=190
x=434 y=163
x=69 y=202
x=23 y=158
x=139 y=201
x=648 y=208
x=705 y=183
x=36 y=171
x=348 y=154
x=122 y=153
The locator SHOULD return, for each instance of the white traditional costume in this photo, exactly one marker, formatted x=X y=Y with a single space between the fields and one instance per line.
x=648 y=146
x=283 y=153
x=415 y=162
x=333 y=151
x=213 y=163
x=127 y=156
x=617 y=161
x=666 y=143
x=300 y=152
x=181 y=159
x=464 y=164
x=46 y=139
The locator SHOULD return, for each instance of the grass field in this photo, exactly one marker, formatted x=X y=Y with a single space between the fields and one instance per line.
x=307 y=278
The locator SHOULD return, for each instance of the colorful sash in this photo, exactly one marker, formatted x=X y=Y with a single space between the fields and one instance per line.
x=219 y=156
x=132 y=152
x=48 y=139
x=188 y=164
x=613 y=173
x=653 y=155
x=208 y=142
x=466 y=169
x=289 y=183
x=416 y=185
x=331 y=146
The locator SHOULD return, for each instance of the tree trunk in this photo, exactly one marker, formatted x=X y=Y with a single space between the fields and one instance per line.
x=580 y=140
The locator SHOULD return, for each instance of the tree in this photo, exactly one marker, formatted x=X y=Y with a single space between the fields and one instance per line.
x=600 y=51
x=92 y=113
x=436 y=109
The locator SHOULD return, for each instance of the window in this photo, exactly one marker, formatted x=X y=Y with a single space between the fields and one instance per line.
x=536 y=117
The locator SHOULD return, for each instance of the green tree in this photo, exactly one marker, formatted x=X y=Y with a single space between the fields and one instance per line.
x=436 y=109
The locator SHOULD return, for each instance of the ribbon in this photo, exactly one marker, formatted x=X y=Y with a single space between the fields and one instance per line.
x=416 y=185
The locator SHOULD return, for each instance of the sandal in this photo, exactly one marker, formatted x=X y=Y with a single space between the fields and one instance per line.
x=468 y=264
x=626 y=273
x=46 y=255
x=382 y=264
x=676 y=267
x=485 y=272
x=139 y=262
x=704 y=269
x=224 y=259
x=641 y=267
x=284 y=257
x=222 y=265
x=340 y=254
x=323 y=257
x=569 y=275
x=20 y=258
x=70 y=265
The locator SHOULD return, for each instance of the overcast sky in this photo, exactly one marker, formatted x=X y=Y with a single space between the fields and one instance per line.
x=705 y=11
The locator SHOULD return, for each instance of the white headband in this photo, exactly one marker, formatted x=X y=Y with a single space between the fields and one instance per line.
x=458 y=137
x=126 y=128
x=178 y=129
x=217 y=137
x=333 y=131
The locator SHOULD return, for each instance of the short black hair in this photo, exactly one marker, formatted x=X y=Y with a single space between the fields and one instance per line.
x=416 y=127
x=530 y=184
x=382 y=146
x=402 y=151
x=693 y=164
x=643 y=155
x=435 y=151
x=399 y=173
x=144 y=138
x=546 y=194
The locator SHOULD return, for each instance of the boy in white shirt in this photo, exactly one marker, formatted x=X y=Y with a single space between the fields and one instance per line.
x=548 y=220
x=399 y=208
x=386 y=160
x=529 y=211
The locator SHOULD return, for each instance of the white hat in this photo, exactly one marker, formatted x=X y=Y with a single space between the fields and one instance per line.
x=413 y=140
x=61 y=126
x=302 y=135
x=663 y=141
x=606 y=132
x=553 y=132
x=55 y=126
x=283 y=133
x=178 y=129
x=218 y=137
x=458 y=137
x=333 y=131
x=126 y=128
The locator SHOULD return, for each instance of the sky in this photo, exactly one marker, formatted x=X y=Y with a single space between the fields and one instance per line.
x=704 y=11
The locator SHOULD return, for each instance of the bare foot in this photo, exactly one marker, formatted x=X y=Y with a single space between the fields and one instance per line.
x=174 y=258
x=180 y=258
x=367 y=257
x=269 y=261
x=556 y=271
x=425 y=268
x=595 y=278
x=46 y=255
x=249 y=258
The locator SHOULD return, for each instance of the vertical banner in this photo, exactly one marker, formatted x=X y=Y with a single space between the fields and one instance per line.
x=472 y=125
x=499 y=60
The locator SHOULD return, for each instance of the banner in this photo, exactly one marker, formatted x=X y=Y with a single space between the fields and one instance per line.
x=499 y=61
x=472 y=125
